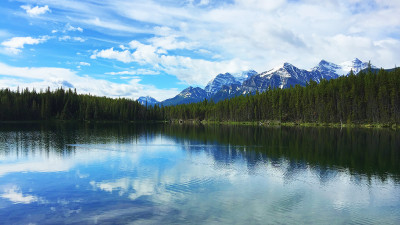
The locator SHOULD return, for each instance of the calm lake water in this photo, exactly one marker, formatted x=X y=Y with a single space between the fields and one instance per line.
x=67 y=173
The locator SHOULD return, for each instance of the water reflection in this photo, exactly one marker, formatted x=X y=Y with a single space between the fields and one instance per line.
x=119 y=173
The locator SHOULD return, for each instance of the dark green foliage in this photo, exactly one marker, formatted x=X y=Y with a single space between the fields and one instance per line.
x=369 y=97
x=68 y=105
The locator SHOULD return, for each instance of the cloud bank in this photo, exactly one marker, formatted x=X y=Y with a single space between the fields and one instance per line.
x=40 y=78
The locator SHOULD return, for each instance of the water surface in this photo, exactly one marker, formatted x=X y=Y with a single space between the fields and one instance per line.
x=140 y=174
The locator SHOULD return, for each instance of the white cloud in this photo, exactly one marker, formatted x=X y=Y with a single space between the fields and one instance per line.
x=84 y=64
x=15 y=195
x=64 y=38
x=123 y=56
x=15 y=44
x=191 y=71
x=43 y=77
x=35 y=11
x=79 y=39
x=135 y=44
x=257 y=34
x=112 y=25
x=67 y=38
x=204 y=2
x=135 y=72
x=170 y=43
x=68 y=27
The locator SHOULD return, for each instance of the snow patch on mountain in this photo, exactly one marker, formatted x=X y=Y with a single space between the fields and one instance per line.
x=147 y=100
x=244 y=75
x=281 y=70
x=192 y=92
x=356 y=65
x=218 y=82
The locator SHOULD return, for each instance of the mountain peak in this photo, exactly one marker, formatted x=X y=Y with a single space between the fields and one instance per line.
x=147 y=100
x=191 y=92
x=356 y=65
x=286 y=64
x=281 y=68
x=244 y=75
x=323 y=62
x=218 y=82
x=188 y=95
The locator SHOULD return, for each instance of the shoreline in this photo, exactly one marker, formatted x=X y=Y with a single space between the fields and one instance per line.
x=393 y=126
x=292 y=124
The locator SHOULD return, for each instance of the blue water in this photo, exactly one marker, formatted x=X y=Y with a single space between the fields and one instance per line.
x=75 y=174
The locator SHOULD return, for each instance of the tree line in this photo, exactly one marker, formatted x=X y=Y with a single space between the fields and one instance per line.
x=68 y=105
x=368 y=97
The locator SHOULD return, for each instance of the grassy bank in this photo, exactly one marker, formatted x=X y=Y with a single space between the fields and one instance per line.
x=291 y=124
x=210 y=122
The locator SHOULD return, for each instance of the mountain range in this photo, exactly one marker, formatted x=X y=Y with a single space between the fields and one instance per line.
x=229 y=85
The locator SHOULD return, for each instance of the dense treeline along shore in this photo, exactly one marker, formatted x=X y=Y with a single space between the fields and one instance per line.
x=370 y=97
x=68 y=105
x=366 y=98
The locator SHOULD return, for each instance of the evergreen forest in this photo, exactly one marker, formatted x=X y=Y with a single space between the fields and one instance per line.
x=368 y=97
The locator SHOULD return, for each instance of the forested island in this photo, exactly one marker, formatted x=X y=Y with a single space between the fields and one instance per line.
x=370 y=97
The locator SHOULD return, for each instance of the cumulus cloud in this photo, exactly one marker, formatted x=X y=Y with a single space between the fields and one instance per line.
x=35 y=11
x=189 y=70
x=15 y=44
x=123 y=56
x=170 y=43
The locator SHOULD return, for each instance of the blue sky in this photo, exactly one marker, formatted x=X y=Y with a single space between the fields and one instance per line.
x=121 y=48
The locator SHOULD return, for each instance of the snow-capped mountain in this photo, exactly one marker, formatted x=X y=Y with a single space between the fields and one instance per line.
x=282 y=76
x=356 y=65
x=327 y=70
x=242 y=76
x=228 y=85
x=218 y=82
x=227 y=79
x=287 y=75
x=189 y=95
x=147 y=100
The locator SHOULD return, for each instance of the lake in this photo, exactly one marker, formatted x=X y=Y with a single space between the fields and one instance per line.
x=74 y=173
